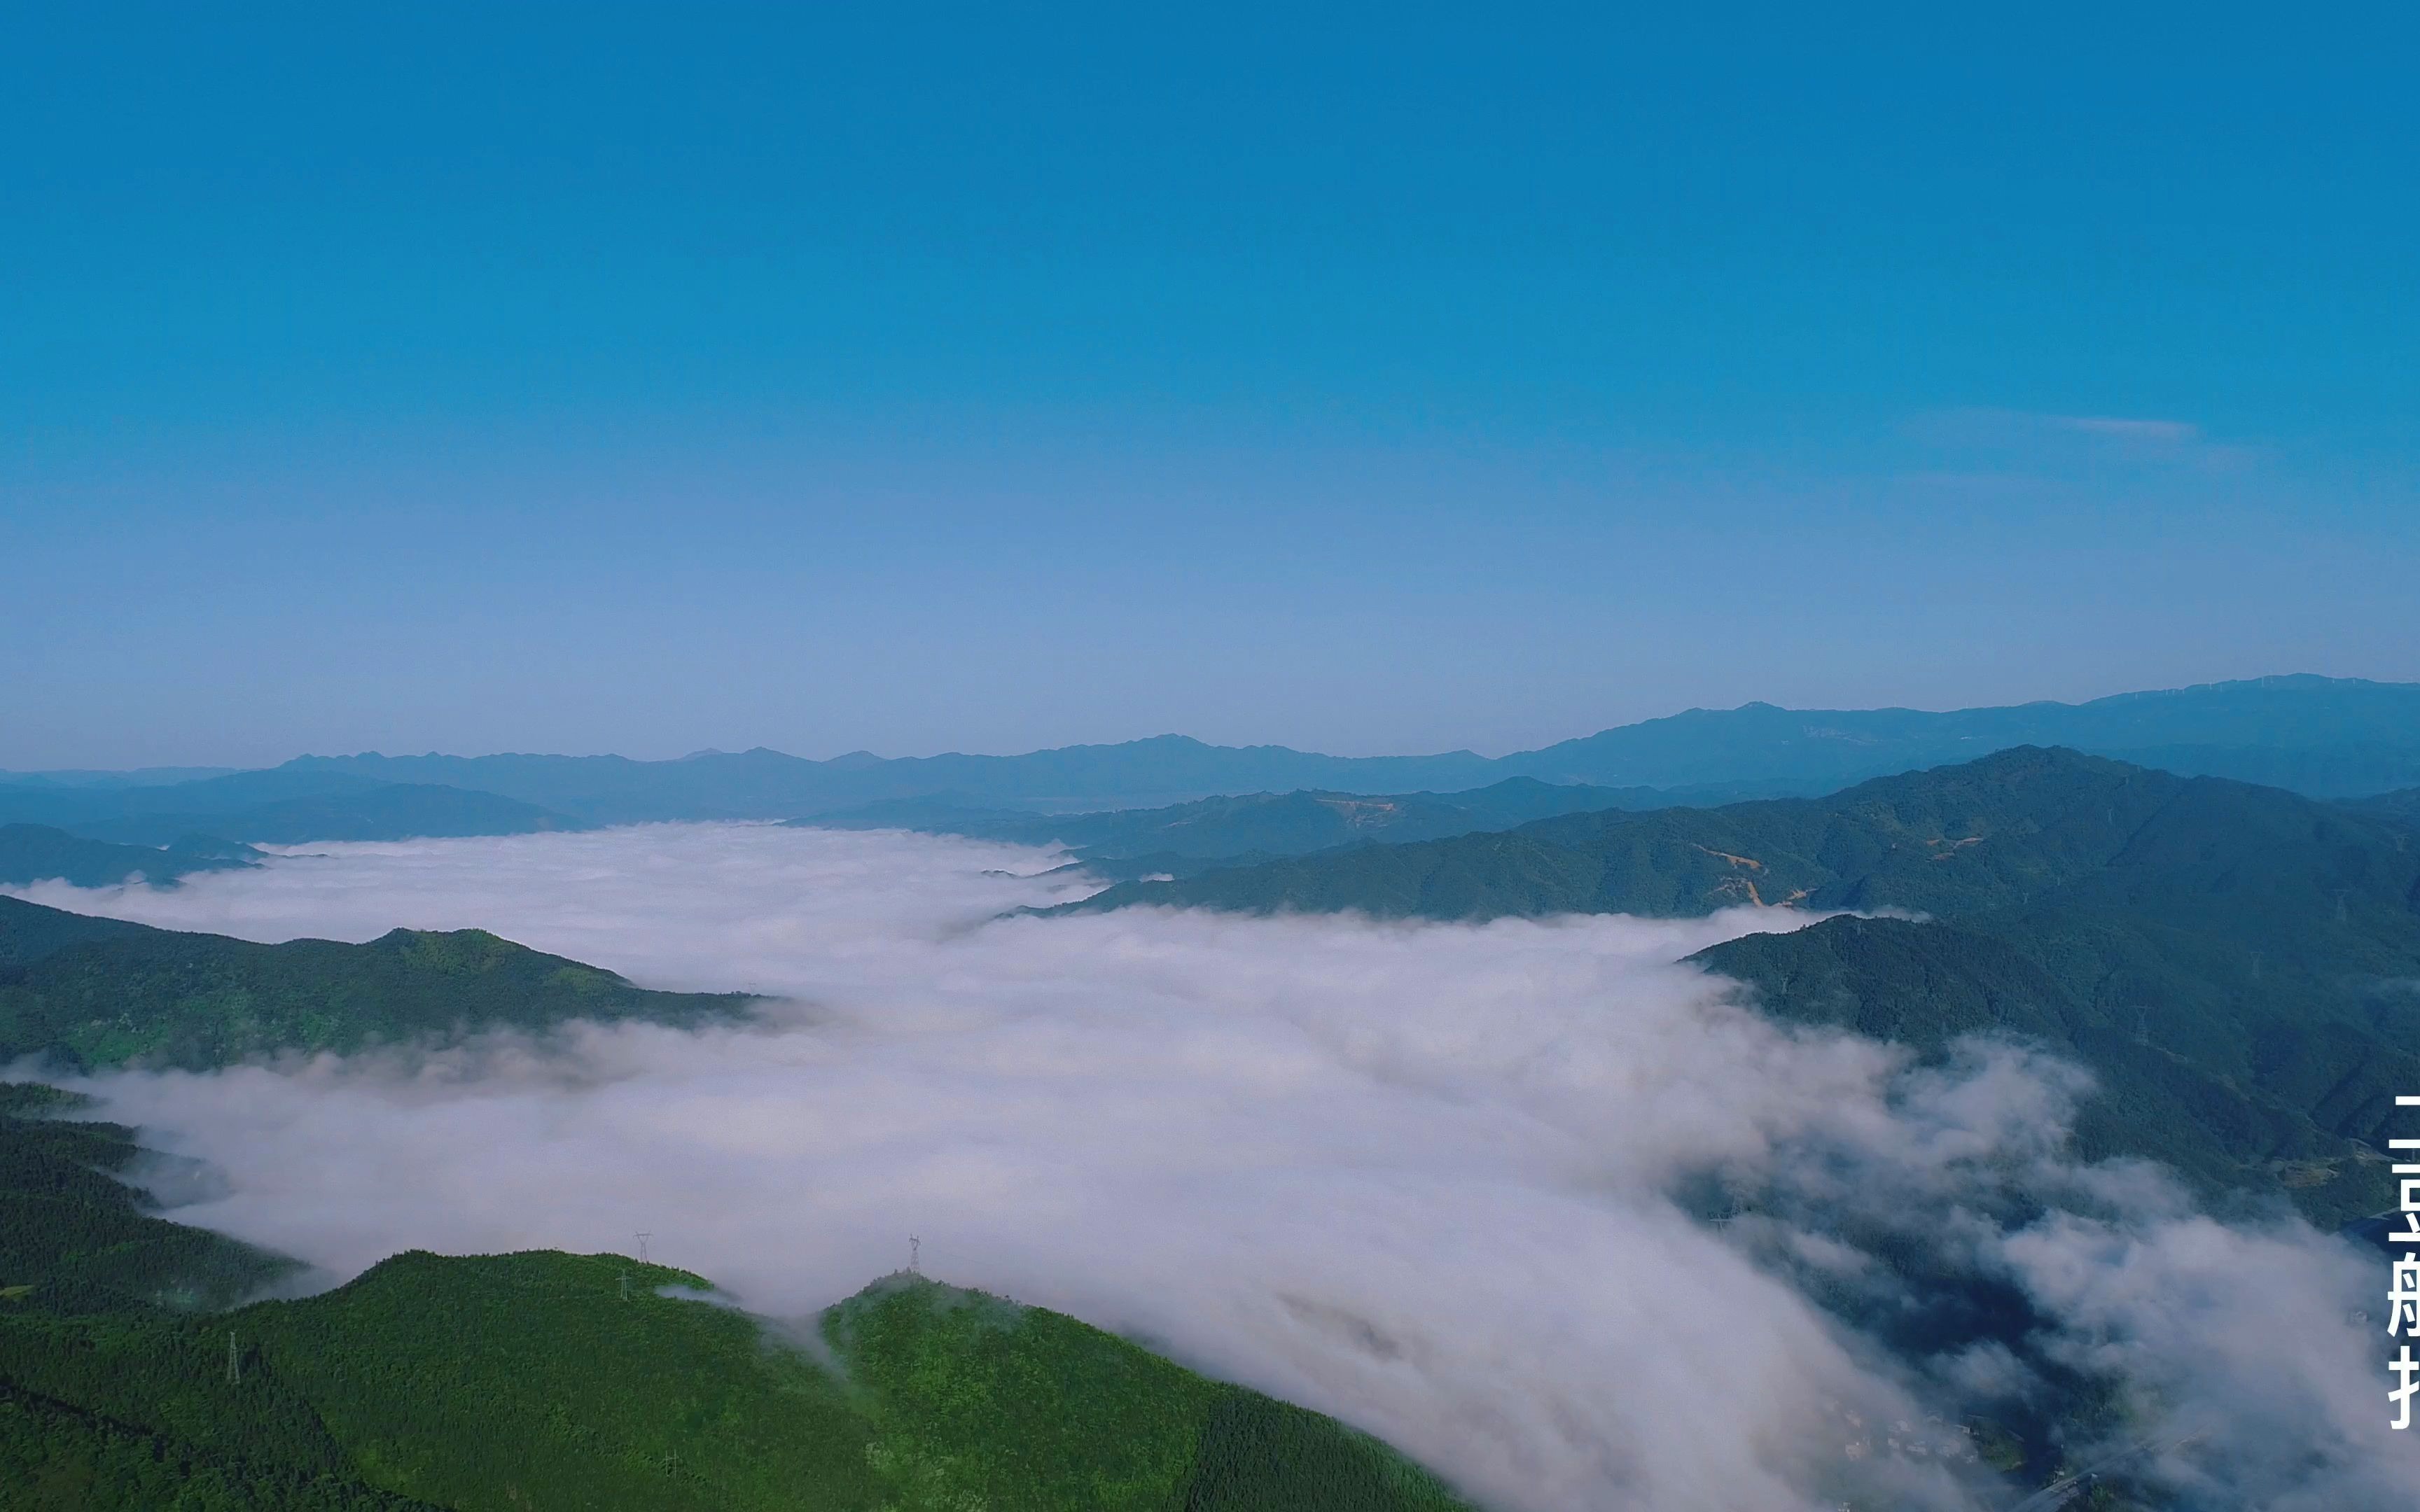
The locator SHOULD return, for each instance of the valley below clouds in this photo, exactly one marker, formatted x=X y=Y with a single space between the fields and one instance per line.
x=1537 y=1201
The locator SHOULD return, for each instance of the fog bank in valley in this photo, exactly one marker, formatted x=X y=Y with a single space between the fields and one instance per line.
x=1420 y=1177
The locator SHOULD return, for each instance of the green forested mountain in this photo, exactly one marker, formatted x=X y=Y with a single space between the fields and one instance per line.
x=2247 y=1095
x=75 y=1239
x=1990 y=833
x=91 y=993
x=39 y=853
x=546 y=1381
x=2233 y=962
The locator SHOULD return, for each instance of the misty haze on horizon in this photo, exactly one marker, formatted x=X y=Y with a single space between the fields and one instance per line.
x=191 y=763
x=2120 y=704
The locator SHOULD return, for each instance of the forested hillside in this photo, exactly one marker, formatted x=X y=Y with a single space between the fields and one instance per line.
x=545 y=1380
x=2229 y=959
x=92 y=992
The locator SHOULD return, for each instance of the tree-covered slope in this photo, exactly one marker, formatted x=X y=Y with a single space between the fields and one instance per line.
x=29 y=932
x=98 y=993
x=1991 y=833
x=40 y=853
x=2014 y=828
x=2231 y=960
x=74 y=1238
x=545 y=1380
x=54 y=1457
x=979 y=1402
x=2250 y=1102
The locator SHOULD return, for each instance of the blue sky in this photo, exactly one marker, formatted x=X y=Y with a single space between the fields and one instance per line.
x=645 y=378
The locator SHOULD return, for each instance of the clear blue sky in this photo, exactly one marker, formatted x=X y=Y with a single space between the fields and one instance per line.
x=643 y=378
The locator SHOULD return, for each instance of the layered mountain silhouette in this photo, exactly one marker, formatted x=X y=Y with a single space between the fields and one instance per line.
x=98 y=835
x=40 y=853
x=1184 y=837
x=2326 y=737
x=2319 y=737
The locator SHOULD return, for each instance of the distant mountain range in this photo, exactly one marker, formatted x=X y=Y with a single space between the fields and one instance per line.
x=1184 y=837
x=38 y=853
x=96 y=835
x=2235 y=962
x=2319 y=737
x=139 y=777
x=287 y=804
x=2327 y=737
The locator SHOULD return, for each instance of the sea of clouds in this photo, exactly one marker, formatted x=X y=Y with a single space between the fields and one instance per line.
x=1422 y=1177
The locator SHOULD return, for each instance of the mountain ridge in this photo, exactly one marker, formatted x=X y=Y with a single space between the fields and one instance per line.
x=2221 y=954
x=275 y=805
x=2327 y=737
x=42 y=853
x=90 y=992
x=1206 y=832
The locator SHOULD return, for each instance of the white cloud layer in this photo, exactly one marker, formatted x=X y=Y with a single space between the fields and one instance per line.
x=1415 y=1176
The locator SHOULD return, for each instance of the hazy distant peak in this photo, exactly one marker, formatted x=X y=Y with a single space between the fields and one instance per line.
x=2327 y=737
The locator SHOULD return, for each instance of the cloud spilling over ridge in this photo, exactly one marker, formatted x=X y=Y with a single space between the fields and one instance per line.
x=1419 y=1177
